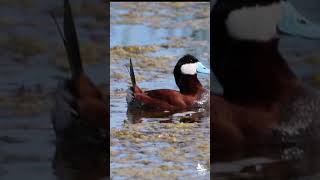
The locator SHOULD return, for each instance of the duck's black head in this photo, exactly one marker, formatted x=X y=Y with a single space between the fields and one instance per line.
x=244 y=43
x=185 y=73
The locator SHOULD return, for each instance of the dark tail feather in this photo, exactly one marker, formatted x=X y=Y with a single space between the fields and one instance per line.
x=71 y=45
x=133 y=78
x=58 y=27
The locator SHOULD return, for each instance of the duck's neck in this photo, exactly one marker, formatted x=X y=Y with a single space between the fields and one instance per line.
x=251 y=72
x=188 y=84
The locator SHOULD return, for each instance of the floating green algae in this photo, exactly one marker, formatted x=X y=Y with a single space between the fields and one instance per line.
x=30 y=101
x=159 y=149
x=135 y=52
x=315 y=80
x=26 y=102
x=26 y=46
x=91 y=53
x=155 y=14
x=315 y=59
x=153 y=150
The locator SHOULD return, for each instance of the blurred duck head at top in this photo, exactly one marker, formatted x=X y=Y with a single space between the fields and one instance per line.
x=262 y=20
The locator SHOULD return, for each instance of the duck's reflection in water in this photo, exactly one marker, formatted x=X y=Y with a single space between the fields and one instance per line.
x=80 y=163
x=296 y=161
x=190 y=116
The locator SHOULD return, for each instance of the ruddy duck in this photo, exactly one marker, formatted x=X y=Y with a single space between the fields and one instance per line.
x=263 y=100
x=80 y=113
x=191 y=95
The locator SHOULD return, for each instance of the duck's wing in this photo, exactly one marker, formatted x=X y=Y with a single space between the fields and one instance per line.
x=142 y=101
x=160 y=99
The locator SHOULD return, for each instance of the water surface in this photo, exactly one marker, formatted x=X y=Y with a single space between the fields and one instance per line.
x=33 y=61
x=155 y=36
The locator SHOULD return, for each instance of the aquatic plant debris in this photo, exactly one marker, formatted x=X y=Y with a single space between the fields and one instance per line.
x=33 y=61
x=156 y=14
x=151 y=150
x=154 y=36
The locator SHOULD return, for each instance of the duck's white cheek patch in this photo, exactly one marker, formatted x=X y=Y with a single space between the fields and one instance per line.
x=254 y=23
x=190 y=69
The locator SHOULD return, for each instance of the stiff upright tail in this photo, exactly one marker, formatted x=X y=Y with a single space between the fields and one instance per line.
x=130 y=92
x=70 y=40
x=132 y=76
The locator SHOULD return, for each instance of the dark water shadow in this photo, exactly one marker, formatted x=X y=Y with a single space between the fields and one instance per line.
x=189 y=116
x=290 y=162
x=80 y=163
